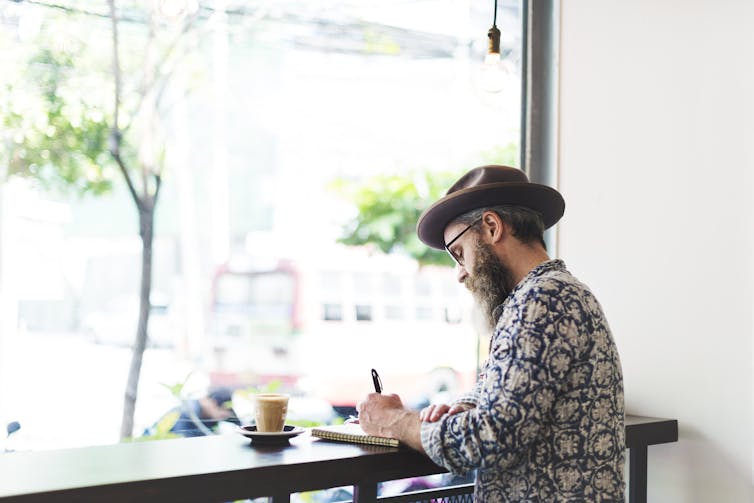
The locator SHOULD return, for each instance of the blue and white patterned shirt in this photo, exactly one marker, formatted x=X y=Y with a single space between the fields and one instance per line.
x=548 y=425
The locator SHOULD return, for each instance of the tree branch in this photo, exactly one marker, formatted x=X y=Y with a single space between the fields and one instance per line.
x=157 y=185
x=127 y=177
x=116 y=136
x=150 y=84
x=116 y=70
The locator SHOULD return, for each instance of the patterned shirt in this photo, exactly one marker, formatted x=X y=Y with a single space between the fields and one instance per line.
x=548 y=425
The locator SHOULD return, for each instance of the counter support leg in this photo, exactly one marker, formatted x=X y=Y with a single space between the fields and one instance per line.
x=637 y=474
x=365 y=493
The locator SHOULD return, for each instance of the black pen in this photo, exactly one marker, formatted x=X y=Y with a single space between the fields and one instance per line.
x=377 y=382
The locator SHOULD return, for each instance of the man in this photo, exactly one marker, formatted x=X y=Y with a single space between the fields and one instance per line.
x=199 y=417
x=545 y=421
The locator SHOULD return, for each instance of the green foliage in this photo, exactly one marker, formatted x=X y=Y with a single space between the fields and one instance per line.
x=507 y=155
x=304 y=423
x=271 y=387
x=176 y=389
x=388 y=207
x=57 y=95
x=66 y=103
x=55 y=123
x=161 y=430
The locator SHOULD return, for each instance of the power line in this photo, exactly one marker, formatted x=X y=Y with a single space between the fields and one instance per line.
x=349 y=36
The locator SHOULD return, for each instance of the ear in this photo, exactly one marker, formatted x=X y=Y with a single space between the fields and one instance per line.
x=494 y=227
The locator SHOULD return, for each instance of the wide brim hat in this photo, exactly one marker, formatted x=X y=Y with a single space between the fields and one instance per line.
x=483 y=187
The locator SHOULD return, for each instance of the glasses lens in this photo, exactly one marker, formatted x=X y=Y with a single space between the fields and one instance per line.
x=458 y=260
x=452 y=255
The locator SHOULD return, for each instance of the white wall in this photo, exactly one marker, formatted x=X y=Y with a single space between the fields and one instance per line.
x=656 y=161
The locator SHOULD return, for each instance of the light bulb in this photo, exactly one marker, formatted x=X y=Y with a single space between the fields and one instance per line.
x=492 y=74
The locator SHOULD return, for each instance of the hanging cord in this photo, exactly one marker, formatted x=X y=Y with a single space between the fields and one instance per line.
x=493 y=44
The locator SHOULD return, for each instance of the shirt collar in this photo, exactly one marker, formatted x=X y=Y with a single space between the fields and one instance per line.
x=540 y=270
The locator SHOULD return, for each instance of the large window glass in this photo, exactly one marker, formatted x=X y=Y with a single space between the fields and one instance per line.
x=260 y=117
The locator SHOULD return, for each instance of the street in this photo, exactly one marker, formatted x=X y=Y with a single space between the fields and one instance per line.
x=68 y=392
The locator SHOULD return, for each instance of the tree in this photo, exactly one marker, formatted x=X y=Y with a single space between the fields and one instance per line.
x=387 y=207
x=72 y=125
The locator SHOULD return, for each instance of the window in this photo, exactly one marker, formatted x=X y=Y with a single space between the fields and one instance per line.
x=453 y=315
x=395 y=312
x=332 y=312
x=363 y=312
x=254 y=138
x=424 y=313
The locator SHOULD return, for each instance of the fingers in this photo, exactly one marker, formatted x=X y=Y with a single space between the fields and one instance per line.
x=439 y=411
x=376 y=404
x=390 y=400
x=427 y=412
x=460 y=407
x=433 y=412
x=368 y=405
x=456 y=409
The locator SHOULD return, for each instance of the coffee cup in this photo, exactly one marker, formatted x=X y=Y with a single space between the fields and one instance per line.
x=270 y=411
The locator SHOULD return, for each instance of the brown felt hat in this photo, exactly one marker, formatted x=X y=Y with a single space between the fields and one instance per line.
x=483 y=187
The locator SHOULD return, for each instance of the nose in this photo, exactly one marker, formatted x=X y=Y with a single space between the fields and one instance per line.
x=462 y=274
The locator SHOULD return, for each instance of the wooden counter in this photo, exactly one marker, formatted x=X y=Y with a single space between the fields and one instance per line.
x=227 y=467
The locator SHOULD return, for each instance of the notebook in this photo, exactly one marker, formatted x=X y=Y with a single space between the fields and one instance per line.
x=351 y=433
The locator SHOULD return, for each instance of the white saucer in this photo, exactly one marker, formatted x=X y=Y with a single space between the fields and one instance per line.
x=270 y=437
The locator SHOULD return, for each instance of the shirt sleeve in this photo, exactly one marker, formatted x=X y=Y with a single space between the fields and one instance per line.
x=471 y=396
x=529 y=359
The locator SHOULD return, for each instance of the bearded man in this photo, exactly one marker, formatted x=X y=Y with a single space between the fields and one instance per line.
x=545 y=420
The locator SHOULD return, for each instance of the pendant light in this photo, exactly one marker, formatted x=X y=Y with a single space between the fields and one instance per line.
x=493 y=73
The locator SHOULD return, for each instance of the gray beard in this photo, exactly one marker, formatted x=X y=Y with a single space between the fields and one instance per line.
x=490 y=285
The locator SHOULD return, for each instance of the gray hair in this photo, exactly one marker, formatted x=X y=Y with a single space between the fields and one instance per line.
x=526 y=224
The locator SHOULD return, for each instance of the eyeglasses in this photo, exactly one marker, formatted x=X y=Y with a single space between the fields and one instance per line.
x=459 y=260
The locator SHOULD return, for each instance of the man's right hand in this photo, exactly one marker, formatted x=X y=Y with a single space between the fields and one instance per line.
x=434 y=412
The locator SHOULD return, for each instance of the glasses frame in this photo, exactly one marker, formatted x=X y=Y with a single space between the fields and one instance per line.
x=447 y=246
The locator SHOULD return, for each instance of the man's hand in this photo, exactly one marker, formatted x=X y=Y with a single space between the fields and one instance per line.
x=434 y=412
x=384 y=415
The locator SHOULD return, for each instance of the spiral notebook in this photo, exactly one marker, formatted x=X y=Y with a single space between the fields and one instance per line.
x=351 y=433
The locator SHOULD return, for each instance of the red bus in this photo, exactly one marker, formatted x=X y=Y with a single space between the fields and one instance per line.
x=320 y=327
